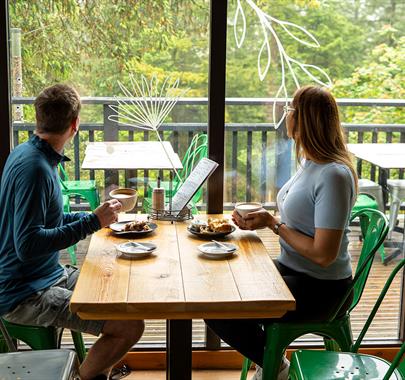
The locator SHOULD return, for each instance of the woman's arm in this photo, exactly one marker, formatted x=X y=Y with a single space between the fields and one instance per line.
x=334 y=186
x=322 y=249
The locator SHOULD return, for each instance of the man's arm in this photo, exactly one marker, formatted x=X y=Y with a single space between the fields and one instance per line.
x=69 y=217
x=32 y=195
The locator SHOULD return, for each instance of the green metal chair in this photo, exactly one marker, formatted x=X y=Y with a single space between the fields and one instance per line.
x=84 y=188
x=321 y=365
x=197 y=150
x=337 y=330
x=363 y=201
x=72 y=249
x=44 y=338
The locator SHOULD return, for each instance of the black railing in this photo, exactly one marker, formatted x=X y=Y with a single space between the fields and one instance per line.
x=258 y=159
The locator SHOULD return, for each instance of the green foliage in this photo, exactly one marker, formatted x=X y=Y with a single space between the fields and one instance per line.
x=383 y=76
x=94 y=43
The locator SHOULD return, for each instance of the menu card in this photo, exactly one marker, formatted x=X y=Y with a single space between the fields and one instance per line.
x=193 y=182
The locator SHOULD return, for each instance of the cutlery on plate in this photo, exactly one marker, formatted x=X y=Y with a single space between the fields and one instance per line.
x=223 y=246
x=138 y=245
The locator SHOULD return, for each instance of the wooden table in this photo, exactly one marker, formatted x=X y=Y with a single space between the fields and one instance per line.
x=130 y=155
x=178 y=284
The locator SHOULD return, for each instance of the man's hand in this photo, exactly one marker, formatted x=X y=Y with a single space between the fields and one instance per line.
x=254 y=220
x=107 y=213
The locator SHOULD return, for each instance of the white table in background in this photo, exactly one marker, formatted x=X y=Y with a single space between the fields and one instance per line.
x=143 y=155
x=386 y=156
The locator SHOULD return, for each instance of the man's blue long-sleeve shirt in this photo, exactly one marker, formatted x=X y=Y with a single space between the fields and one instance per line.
x=32 y=223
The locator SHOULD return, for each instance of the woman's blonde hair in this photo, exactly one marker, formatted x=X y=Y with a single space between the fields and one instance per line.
x=317 y=130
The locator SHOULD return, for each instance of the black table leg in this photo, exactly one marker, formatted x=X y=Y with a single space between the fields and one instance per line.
x=178 y=351
x=382 y=181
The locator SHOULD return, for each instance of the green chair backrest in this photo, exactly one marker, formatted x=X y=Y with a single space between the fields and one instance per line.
x=377 y=229
x=62 y=176
x=397 y=360
x=197 y=150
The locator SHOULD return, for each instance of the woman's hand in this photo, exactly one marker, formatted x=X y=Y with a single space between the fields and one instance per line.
x=254 y=220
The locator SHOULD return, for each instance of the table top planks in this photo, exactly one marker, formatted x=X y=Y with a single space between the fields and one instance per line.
x=130 y=155
x=177 y=282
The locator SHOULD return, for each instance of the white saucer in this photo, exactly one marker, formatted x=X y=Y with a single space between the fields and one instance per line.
x=132 y=251
x=213 y=251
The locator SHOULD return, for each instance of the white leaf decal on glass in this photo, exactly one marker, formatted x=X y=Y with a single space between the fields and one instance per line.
x=270 y=29
x=264 y=50
x=147 y=106
x=314 y=42
x=239 y=15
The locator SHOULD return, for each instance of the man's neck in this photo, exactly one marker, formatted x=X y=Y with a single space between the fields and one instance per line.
x=57 y=142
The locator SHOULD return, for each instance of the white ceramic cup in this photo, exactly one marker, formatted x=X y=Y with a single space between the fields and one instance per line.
x=127 y=198
x=244 y=208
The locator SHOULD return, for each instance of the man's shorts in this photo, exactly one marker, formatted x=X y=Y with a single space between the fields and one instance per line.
x=50 y=307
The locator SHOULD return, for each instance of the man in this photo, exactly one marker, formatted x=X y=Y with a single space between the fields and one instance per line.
x=34 y=288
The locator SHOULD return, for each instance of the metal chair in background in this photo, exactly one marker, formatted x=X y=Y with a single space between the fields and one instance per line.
x=396 y=188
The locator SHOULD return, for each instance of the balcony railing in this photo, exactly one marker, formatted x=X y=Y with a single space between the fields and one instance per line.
x=267 y=160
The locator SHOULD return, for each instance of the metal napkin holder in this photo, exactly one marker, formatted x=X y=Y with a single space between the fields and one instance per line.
x=171 y=215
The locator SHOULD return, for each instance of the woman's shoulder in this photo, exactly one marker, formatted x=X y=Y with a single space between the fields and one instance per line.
x=336 y=173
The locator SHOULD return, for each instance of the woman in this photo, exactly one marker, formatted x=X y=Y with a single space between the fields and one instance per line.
x=314 y=207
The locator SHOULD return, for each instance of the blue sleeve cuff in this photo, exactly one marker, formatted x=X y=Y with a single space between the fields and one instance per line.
x=92 y=222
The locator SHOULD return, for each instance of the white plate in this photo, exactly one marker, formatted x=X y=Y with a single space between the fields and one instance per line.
x=213 y=251
x=118 y=229
x=132 y=251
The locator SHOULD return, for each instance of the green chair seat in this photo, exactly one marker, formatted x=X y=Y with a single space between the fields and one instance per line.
x=44 y=338
x=83 y=188
x=337 y=330
x=313 y=365
x=364 y=201
x=81 y=185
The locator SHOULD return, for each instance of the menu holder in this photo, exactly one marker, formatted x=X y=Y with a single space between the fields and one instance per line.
x=191 y=185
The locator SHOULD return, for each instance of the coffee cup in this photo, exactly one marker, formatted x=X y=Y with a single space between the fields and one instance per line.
x=127 y=198
x=244 y=208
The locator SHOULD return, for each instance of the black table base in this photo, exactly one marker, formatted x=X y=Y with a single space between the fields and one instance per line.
x=179 y=348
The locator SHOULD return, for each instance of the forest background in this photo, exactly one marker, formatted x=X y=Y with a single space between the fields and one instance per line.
x=93 y=43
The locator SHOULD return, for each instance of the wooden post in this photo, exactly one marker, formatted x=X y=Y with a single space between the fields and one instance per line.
x=216 y=103
x=16 y=68
x=5 y=100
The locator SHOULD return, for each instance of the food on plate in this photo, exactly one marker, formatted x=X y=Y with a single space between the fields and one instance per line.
x=137 y=226
x=213 y=226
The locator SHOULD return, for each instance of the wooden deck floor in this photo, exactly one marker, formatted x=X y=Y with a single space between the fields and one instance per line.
x=384 y=327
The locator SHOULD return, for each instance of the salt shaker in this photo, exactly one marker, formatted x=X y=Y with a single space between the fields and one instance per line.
x=158 y=197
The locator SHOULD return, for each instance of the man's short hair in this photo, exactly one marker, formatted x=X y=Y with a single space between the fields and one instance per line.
x=56 y=107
